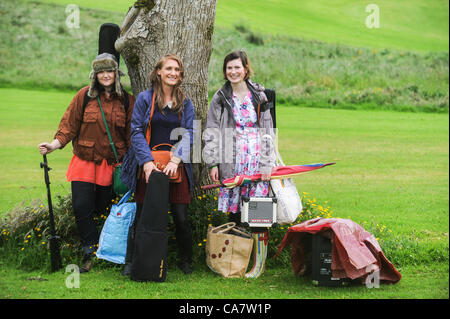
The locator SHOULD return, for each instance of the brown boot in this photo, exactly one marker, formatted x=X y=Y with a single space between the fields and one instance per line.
x=87 y=263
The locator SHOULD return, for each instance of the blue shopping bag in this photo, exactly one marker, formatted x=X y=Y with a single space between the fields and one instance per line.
x=112 y=245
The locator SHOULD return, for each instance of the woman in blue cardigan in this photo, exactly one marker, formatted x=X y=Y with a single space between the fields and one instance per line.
x=172 y=111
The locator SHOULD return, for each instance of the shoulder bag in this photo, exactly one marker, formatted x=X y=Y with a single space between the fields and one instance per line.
x=162 y=158
x=289 y=204
x=119 y=187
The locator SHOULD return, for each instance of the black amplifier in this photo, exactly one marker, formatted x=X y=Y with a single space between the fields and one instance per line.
x=321 y=274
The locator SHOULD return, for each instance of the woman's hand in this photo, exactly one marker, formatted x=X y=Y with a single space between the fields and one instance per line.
x=266 y=177
x=149 y=167
x=214 y=174
x=47 y=148
x=170 y=169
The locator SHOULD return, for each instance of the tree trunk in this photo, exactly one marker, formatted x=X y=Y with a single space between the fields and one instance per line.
x=152 y=29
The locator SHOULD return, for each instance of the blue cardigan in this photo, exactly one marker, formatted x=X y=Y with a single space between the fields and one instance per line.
x=139 y=151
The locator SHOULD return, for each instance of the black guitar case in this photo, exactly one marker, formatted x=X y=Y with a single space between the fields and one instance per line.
x=107 y=36
x=151 y=240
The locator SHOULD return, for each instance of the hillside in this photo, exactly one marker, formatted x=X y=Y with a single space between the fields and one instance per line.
x=39 y=51
x=414 y=25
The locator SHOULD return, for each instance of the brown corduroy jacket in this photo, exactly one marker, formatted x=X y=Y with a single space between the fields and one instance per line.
x=87 y=129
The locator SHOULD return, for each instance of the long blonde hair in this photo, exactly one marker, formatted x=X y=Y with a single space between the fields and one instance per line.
x=155 y=80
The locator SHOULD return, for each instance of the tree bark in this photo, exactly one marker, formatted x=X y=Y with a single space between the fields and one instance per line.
x=153 y=28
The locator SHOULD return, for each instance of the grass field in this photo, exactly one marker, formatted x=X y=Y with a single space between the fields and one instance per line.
x=416 y=25
x=429 y=282
x=392 y=168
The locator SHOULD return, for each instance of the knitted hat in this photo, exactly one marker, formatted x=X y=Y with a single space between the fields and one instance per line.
x=104 y=62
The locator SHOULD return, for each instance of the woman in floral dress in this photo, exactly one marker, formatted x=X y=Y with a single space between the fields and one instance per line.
x=239 y=112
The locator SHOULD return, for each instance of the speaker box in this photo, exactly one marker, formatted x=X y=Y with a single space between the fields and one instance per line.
x=321 y=274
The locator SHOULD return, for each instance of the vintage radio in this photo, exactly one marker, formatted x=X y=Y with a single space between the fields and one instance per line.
x=258 y=211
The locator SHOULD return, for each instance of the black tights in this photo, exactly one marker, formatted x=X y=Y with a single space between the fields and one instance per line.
x=88 y=200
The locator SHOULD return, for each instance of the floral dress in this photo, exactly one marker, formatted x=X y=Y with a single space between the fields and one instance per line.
x=248 y=148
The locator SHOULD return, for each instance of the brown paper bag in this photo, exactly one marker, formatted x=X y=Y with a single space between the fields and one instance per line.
x=228 y=250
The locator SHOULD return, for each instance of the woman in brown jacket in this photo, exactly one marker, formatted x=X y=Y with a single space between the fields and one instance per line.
x=91 y=168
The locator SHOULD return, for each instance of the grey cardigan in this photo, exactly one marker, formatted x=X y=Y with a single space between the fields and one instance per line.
x=219 y=135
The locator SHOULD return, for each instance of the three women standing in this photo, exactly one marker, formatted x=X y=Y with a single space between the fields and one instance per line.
x=240 y=105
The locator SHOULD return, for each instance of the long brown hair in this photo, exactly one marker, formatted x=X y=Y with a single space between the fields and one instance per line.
x=155 y=80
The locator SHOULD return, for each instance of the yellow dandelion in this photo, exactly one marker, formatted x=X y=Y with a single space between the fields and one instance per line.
x=200 y=244
x=22 y=249
x=43 y=243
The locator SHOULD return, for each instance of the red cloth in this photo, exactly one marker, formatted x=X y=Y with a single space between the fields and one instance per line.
x=355 y=252
x=85 y=171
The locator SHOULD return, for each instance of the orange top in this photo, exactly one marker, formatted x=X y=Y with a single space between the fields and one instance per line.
x=85 y=171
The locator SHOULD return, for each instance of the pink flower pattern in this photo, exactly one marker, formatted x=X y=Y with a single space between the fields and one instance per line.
x=248 y=147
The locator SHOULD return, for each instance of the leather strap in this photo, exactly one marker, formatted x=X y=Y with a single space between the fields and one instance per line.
x=148 y=134
x=258 y=112
x=154 y=148
x=107 y=131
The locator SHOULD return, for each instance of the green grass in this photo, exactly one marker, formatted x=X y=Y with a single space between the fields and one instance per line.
x=405 y=25
x=416 y=25
x=28 y=118
x=391 y=167
x=430 y=282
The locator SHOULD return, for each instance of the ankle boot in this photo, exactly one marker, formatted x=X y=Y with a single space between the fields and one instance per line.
x=260 y=243
x=88 y=255
x=87 y=264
